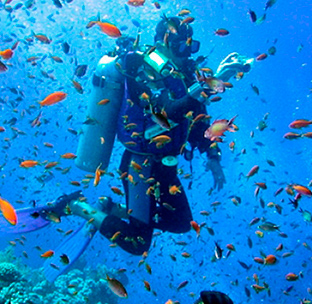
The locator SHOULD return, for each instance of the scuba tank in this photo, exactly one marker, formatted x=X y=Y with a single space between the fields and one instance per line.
x=97 y=139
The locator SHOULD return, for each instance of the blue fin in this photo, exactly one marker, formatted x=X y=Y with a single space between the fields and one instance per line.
x=30 y=219
x=72 y=247
x=26 y=221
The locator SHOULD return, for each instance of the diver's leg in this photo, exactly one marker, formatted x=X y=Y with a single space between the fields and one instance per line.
x=135 y=235
x=88 y=212
x=106 y=203
x=174 y=212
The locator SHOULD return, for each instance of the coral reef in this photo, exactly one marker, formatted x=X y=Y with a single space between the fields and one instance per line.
x=20 y=284
x=9 y=273
x=7 y=255
x=76 y=287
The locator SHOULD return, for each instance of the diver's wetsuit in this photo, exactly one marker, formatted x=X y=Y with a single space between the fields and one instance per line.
x=165 y=211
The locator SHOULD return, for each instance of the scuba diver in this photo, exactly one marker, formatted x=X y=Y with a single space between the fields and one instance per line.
x=155 y=102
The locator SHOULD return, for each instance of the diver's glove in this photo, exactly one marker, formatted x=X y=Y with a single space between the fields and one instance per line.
x=59 y=207
x=214 y=166
x=233 y=64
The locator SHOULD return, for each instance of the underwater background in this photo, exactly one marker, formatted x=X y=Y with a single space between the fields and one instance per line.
x=273 y=94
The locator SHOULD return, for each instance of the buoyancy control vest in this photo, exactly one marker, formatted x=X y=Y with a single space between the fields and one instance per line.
x=161 y=86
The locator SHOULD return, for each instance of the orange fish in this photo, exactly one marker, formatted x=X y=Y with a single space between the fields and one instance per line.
x=239 y=75
x=135 y=166
x=218 y=127
x=173 y=190
x=302 y=190
x=258 y=288
x=148 y=268
x=230 y=247
x=308 y=135
x=116 y=190
x=48 y=145
x=300 y=123
x=6 y=54
x=184 y=12
x=109 y=29
x=50 y=165
x=57 y=59
x=261 y=57
x=161 y=139
x=103 y=101
x=259 y=260
x=196 y=227
x=185 y=254
x=53 y=98
x=187 y=20
x=115 y=236
x=270 y=260
x=116 y=287
x=77 y=86
x=262 y=185
x=2 y=129
x=147 y=285
x=28 y=163
x=228 y=85
x=68 y=156
x=291 y=277
x=42 y=38
x=8 y=211
x=232 y=145
x=252 y=171
x=214 y=84
x=97 y=177
x=48 y=254
x=221 y=32
x=215 y=99
x=291 y=135
x=136 y=3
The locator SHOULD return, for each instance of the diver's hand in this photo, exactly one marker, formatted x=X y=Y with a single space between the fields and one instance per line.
x=233 y=64
x=217 y=173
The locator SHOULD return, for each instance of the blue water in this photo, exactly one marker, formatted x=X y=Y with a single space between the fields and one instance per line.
x=284 y=82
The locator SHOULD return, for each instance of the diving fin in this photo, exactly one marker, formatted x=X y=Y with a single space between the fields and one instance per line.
x=71 y=248
x=30 y=219
x=27 y=221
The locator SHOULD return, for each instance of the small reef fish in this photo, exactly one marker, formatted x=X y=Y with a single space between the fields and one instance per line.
x=8 y=211
x=53 y=99
x=116 y=287
x=109 y=29
x=136 y=3
x=29 y=163
x=218 y=127
x=221 y=32
x=6 y=54
x=47 y=254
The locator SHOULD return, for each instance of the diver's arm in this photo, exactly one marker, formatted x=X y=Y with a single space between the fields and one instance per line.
x=99 y=129
x=177 y=107
x=189 y=101
x=214 y=165
x=213 y=152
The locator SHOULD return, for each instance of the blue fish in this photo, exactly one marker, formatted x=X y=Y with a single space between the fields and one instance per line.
x=136 y=23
